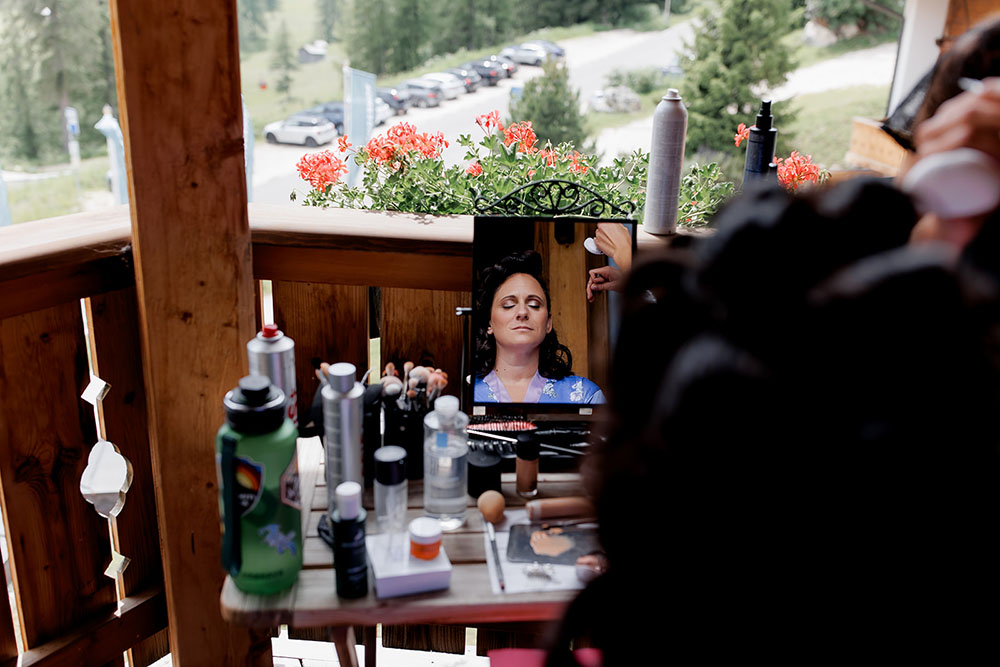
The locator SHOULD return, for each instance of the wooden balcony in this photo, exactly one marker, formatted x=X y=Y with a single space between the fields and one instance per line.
x=320 y=264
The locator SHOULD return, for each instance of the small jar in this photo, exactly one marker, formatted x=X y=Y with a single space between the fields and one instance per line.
x=425 y=538
x=527 y=465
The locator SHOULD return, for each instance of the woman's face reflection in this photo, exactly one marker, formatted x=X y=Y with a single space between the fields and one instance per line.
x=519 y=317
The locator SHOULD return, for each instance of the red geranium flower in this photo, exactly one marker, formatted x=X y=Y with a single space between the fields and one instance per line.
x=344 y=145
x=490 y=120
x=521 y=134
x=474 y=169
x=742 y=132
x=795 y=170
x=321 y=169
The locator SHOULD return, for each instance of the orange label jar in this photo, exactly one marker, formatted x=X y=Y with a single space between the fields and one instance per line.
x=425 y=538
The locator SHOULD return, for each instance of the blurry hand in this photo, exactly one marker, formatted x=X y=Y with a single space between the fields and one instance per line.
x=603 y=279
x=969 y=120
x=614 y=240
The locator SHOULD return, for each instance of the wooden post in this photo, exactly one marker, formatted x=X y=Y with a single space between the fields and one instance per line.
x=179 y=92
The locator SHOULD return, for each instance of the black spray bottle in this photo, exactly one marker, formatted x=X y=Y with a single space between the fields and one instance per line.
x=350 y=558
x=760 y=147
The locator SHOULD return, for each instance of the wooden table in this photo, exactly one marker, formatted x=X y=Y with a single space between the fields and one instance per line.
x=313 y=601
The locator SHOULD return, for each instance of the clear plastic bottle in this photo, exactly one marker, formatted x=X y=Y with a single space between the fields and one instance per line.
x=446 y=454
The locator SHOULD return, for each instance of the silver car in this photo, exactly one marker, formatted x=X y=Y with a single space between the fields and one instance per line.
x=451 y=85
x=301 y=129
x=526 y=54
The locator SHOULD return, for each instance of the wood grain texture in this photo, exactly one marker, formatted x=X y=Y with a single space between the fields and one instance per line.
x=103 y=640
x=179 y=93
x=421 y=325
x=328 y=323
x=565 y=269
x=511 y=635
x=59 y=545
x=437 y=638
x=116 y=357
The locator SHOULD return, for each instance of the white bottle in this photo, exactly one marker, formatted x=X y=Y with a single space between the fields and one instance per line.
x=446 y=455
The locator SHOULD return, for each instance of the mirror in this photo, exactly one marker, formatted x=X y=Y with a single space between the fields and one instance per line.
x=540 y=341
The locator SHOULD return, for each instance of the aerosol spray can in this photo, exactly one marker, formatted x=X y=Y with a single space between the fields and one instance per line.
x=272 y=354
x=761 y=143
x=666 y=160
x=259 y=500
x=342 y=411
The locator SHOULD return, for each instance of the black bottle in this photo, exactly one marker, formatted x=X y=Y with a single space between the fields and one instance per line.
x=350 y=558
x=761 y=143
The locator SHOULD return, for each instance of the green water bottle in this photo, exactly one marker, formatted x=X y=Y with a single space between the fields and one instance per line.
x=259 y=500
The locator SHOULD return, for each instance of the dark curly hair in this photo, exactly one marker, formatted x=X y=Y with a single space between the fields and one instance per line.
x=554 y=359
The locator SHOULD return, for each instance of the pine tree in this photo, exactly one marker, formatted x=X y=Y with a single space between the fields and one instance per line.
x=368 y=40
x=50 y=59
x=552 y=107
x=328 y=12
x=736 y=48
x=283 y=60
x=410 y=24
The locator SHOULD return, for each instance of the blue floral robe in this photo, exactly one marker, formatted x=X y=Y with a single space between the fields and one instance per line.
x=571 y=389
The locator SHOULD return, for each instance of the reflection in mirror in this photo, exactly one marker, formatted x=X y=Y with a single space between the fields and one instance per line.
x=542 y=309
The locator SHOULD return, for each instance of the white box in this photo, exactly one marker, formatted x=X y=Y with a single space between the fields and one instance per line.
x=398 y=573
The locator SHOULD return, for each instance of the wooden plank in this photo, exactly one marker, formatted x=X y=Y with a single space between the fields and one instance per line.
x=103 y=640
x=328 y=323
x=313 y=602
x=183 y=129
x=431 y=637
x=116 y=357
x=59 y=545
x=511 y=635
x=421 y=324
x=565 y=268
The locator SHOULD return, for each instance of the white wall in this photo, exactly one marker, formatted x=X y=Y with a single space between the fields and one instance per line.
x=923 y=24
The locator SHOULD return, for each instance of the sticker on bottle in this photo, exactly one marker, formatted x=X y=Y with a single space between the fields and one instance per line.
x=289 y=492
x=249 y=484
x=281 y=542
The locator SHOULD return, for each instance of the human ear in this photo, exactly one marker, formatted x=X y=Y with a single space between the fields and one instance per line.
x=548 y=325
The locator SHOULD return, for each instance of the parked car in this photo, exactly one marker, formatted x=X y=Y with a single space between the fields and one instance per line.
x=451 y=85
x=332 y=111
x=490 y=71
x=383 y=111
x=526 y=54
x=469 y=77
x=398 y=99
x=308 y=129
x=615 y=98
x=508 y=65
x=551 y=48
x=425 y=93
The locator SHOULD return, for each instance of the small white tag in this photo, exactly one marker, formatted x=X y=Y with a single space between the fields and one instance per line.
x=586 y=411
x=96 y=390
x=478 y=410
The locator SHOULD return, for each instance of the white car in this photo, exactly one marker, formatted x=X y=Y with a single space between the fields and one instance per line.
x=526 y=54
x=451 y=85
x=301 y=129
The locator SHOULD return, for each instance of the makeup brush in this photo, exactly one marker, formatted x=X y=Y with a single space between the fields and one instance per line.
x=491 y=504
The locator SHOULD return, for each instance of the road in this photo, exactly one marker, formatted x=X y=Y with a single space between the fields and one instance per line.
x=589 y=60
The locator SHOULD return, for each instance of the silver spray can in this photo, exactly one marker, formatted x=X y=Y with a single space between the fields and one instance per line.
x=666 y=160
x=272 y=354
x=342 y=411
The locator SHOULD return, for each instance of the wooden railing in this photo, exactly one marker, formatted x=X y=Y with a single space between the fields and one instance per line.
x=320 y=263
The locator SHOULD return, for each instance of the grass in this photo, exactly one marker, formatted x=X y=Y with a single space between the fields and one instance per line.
x=56 y=195
x=804 y=54
x=822 y=127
